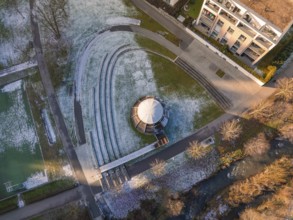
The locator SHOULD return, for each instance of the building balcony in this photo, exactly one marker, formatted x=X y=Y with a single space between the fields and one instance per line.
x=251 y=54
x=264 y=42
x=212 y=6
x=246 y=30
x=206 y=21
x=256 y=49
x=269 y=34
x=228 y=17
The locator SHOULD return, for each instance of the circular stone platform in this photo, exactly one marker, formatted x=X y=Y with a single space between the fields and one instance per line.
x=149 y=115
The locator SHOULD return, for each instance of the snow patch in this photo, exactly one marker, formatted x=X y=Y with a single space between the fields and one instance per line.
x=67 y=170
x=17 y=128
x=122 y=21
x=12 y=86
x=36 y=179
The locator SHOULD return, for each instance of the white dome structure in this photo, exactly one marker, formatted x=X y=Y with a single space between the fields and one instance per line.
x=149 y=115
x=150 y=111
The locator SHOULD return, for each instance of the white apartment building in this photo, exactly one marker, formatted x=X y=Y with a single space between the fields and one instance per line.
x=251 y=28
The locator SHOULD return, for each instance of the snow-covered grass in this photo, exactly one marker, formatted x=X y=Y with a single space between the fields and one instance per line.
x=12 y=86
x=135 y=75
x=180 y=175
x=20 y=154
x=35 y=180
x=15 y=49
x=17 y=127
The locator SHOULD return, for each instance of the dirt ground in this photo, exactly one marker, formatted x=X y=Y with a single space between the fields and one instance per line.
x=278 y=12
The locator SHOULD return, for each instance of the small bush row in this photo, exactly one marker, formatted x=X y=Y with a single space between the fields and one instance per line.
x=47 y=190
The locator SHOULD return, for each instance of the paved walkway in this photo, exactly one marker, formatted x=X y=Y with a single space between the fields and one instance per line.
x=18 y=68
x=127 y=158
x=86 y=189
x=178 y=147
x=43 y=205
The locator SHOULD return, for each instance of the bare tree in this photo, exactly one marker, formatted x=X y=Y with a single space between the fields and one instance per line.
x=257 y=146
x=287 y=132
x=250 y=214
x=158 y=167
x=52 y=15
x=196 y=150
x=285 y=89
x=263 y=109
x=231 y=130
x=174 y=207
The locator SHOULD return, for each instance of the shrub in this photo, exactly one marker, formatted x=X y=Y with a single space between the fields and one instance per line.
x=158 y=167
x=257 y=146
x=287 y=132
x=231 y=157
x=174 y=207
x=197 y=151
x=9 y=204
x=276 y=207
x=269 y=179
x=230 y=130
x=47 y=190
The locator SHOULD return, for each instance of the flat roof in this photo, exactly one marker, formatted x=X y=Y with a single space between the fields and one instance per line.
x=279 y=12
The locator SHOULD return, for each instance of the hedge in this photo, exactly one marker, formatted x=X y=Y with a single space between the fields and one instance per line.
x=9 y=204
x=47 y=190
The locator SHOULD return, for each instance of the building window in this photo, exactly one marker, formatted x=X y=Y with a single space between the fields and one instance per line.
x=209 y=15
x=223 y=41
x=214 y=34
x=242 y=38
x=235 y=47
x=220 y=23
x=230 y=30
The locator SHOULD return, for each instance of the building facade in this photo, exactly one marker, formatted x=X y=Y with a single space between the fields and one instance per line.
x=250 y=30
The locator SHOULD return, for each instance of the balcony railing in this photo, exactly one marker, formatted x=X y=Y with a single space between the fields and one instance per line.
x=251 y=54
x=246 y=30
x=228 y=17
x=256 y=49
x=213 y=7
x=206 y=21
x=264 y=42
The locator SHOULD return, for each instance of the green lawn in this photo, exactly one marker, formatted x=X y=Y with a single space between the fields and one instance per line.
x=194 y=8
x=150 y=24
x=172 y=80
x=154 y=46
x=17 y=159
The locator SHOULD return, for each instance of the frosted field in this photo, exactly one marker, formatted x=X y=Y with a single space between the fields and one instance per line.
x=20 y=156
x=180 y=175
x=133 y=74
x=14 y=50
